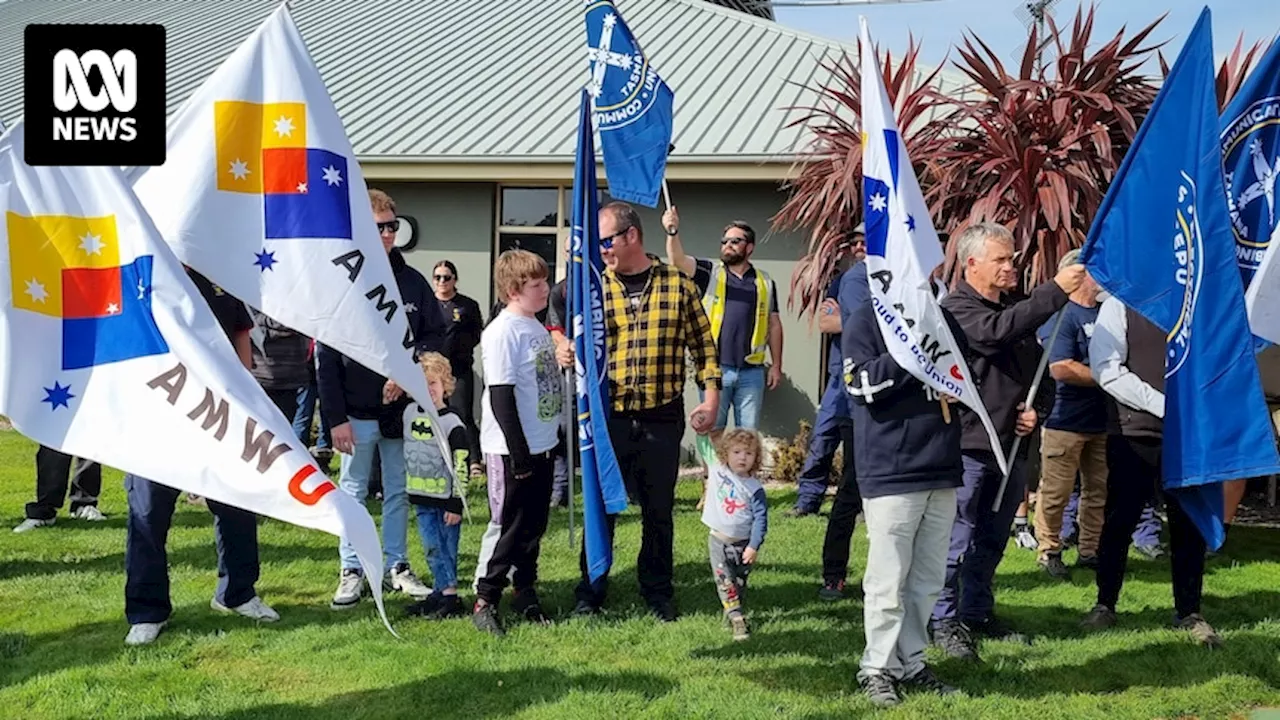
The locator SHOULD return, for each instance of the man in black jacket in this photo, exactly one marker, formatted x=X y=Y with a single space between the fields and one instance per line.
x=364 y=410
x=1002 y=354
x=909 y=498
x=280 y=361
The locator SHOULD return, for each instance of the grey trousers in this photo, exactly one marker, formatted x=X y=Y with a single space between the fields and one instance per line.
x=729 y=571
x=906 y=565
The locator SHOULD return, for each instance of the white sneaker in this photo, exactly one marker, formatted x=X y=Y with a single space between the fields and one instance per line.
x=403 y=579
x=88 y=512
x=1025 y=539
x=255 y=609
x=143 y=633
x=31 y=524
x=350 y=587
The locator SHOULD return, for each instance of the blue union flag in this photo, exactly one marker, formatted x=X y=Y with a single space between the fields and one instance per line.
x=603 y=492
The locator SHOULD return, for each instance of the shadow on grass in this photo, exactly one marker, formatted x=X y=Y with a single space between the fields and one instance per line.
x=24 y=656
x=466 y=694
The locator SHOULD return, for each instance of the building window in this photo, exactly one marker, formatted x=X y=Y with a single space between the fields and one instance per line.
x=537 y=219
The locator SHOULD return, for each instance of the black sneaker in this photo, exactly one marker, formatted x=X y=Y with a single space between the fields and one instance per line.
x=880 y=691
x=424 y=607
x=1088 y=562
x=1100 y=617
x=585 y=608
x=527 y=605
x=450 y=606
x=955 y=640
x=926 y=681
x=832 y=590
x=1055 y=568
x=485 y=618
x=992 y=628
x=664 y=610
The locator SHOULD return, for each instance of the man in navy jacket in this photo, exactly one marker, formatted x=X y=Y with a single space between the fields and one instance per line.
x=907 y=451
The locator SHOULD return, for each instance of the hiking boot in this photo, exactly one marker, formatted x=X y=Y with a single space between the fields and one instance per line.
x=1100 y=617
x=449 y=606
x=739 y=625
x=88 y=512
x=832 y=590
x=350 y=588
x=1054 y=567
x=664 y=610
x=485 y=618
x=1088 y=562
x=926 y=681
x=31 y=524
x=526 y=604
x=1201 y=630
x=1024 y=537
x=993 y=628
x=254 y=609
x=1150 y=552
x=402 y=578
x=880 y=691
x=955 y=640
x=585 y=608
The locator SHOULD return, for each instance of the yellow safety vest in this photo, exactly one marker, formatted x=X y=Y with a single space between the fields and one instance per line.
x=713 y=302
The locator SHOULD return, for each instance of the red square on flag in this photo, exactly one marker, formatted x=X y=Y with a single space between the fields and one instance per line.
x=284 y=170
x=90 y=292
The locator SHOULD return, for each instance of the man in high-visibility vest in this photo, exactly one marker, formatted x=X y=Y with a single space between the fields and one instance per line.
x=741 y=301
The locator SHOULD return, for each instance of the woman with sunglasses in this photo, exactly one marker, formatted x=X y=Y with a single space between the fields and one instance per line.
x=464 y=323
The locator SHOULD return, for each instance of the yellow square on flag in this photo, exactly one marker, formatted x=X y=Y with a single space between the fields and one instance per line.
x=243 y=129
x=42 y=246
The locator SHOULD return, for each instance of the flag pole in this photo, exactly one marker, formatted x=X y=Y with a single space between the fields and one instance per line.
x=666 y=193
x=570 y=393
x=1035 y=386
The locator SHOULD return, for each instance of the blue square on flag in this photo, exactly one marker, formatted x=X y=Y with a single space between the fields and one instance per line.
x=318 y=207
x=121 y=331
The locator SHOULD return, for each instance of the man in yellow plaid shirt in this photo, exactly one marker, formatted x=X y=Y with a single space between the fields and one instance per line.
x=653 y=315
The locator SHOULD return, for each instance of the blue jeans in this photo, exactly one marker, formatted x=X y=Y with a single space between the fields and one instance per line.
x=978 y=538
x=353 y=478
x=308 y=395
x=146 y=560
x=833 y=414
x=440 y=543
x=1146 y=535
x=743 y=390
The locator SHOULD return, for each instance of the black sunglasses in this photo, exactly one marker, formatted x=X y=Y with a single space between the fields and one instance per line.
x=443 y=278
x=392 y=225
x=733 y=241
x=607 y=242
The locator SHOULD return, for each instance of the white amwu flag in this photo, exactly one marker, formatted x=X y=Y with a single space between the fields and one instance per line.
x=108 y=352
x=902 y=252
x=261 y=193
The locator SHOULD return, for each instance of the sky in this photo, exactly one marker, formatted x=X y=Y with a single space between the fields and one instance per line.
x=940 y=24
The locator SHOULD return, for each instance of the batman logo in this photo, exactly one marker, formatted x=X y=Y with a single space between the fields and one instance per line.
x=420 y=429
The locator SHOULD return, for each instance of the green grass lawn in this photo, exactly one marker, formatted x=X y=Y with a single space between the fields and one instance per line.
x=62 y=623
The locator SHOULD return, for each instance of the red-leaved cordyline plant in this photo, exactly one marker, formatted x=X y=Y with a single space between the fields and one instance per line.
x=826 y=194
x=1036 y=153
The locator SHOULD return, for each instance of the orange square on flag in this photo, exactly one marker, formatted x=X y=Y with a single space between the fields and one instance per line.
x=90 y=292
x=284 y=170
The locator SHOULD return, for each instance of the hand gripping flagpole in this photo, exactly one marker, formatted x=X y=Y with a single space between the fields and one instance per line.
x=1035 y=386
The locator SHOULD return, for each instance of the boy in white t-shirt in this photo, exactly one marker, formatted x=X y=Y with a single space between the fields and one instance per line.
x=520 y=414
x=737 y=512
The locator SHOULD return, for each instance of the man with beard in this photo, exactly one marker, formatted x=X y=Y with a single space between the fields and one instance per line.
x=742 y=303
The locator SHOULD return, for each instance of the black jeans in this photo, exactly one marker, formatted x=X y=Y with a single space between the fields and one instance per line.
x=844 y=511
x=463 y=402
x=649 y=457
x=512 y=541
x=1134 y=479
x=53 y=469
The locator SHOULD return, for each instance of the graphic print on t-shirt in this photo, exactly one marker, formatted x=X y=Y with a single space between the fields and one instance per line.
x=550 y=389
x=727 y=496
x=422 y=458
